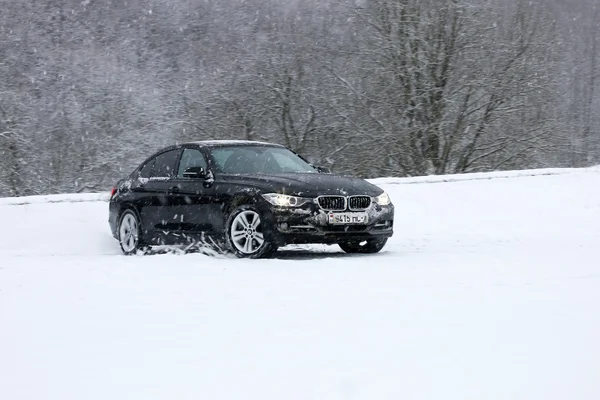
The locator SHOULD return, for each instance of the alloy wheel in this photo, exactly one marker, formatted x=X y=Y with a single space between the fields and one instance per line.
x=246 y=232
x=128 y=233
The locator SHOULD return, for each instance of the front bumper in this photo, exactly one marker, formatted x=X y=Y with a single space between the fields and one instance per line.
x=310 y=224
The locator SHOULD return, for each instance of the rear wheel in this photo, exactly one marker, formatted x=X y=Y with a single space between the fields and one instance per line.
x=247 y=235
x=129 y=232
x=369 y=246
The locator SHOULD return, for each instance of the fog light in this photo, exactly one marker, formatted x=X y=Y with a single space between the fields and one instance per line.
x=284 y=226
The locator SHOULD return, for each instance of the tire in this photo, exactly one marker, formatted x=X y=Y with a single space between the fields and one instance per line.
x=369 y=246
x=247 y=235
x=129 y=233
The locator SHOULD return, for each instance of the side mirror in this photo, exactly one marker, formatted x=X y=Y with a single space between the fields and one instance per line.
x=194 y=172
x=323 y=170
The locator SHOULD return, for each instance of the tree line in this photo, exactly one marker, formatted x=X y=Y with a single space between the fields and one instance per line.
x=366 y=87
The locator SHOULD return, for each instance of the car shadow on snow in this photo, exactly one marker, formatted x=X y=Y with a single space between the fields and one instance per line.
x=314 y=252
x=285 y=253
x=307 y=255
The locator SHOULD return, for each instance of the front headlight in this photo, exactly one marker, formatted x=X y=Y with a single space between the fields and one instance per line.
x=383 y=199
x=284 y=200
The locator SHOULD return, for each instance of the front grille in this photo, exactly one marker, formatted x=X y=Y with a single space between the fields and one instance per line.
x=359 y=202
x=332 y=203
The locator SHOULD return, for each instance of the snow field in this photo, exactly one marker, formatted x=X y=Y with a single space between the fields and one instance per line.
x=489 y=289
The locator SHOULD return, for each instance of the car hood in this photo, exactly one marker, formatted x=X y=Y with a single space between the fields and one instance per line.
x=307 y=185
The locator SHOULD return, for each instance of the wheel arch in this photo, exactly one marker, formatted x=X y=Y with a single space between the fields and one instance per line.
x=127 y=206
x=246 y=196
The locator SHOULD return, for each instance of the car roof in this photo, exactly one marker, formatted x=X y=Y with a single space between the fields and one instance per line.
x=210 y=143
x=215 y=143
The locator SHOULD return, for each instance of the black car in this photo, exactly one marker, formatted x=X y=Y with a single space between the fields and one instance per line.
x=247 y=197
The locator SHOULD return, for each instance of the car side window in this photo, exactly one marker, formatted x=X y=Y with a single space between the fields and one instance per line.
x=164 y=164
x=146 y=170
x=191 y=158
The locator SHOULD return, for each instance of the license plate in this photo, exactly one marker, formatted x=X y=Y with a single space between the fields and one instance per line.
x=348 y=218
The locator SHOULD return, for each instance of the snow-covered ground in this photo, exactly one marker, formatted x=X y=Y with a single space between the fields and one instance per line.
x=490 y=289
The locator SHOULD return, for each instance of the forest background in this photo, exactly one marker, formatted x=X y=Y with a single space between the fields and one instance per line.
x=372 y=88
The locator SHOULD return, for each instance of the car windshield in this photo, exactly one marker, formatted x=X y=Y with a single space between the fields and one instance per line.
x=258 y=160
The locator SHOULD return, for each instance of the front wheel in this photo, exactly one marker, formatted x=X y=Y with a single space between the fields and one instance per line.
x=247 y=234
x=369 y=246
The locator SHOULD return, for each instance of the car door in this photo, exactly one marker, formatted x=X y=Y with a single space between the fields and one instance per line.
x=156 y=210
x=194 y=200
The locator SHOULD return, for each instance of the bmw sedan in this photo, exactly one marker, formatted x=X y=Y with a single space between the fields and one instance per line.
x=245 y=197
